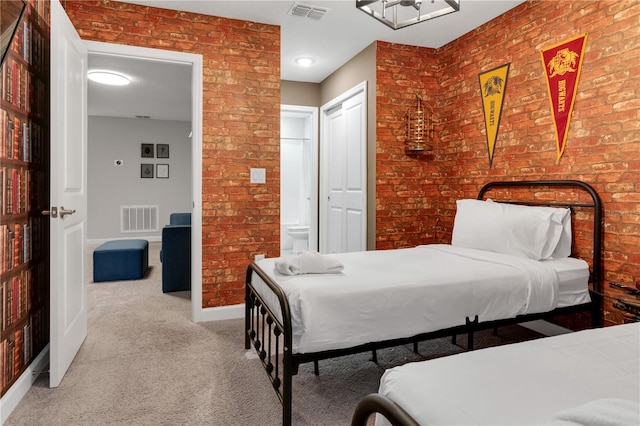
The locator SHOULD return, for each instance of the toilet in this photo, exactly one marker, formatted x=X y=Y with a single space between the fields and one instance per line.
x=300 y=235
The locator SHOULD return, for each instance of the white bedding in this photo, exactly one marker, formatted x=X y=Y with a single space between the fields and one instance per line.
x=391 y=294
x=600 y=412
x=526 y=383
x=573 y=280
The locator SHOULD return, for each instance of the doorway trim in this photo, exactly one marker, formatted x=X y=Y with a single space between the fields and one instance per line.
x=195 y=60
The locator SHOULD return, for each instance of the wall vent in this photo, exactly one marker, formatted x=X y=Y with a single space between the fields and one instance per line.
x=305 y=11
x=138 y=218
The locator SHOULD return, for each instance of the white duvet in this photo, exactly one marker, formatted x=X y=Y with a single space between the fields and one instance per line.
x=391 y=294
x=572 y=377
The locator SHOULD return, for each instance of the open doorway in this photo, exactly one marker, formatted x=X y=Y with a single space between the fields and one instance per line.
x=167 y=62
x=298 y=178
x=136 y=130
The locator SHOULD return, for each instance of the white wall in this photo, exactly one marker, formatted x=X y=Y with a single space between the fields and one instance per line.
x=111 y=186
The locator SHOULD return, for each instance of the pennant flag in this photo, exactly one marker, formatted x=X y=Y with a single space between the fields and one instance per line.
x=562 y=65
x=493 y=85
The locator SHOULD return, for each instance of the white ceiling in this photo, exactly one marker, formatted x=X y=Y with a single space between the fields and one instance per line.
x=161 y=90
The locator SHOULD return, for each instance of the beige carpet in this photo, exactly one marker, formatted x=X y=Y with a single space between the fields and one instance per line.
x=145 y=363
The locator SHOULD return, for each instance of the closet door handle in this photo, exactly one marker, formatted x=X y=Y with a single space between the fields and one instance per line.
x=64 y=212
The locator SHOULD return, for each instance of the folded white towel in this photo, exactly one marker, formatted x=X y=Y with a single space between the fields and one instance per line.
x=308 y=262
x=601 y=412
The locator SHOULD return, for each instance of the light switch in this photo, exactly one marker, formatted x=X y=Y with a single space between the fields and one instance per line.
x=258 y=176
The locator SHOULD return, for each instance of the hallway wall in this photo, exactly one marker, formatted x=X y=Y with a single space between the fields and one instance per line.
x=111 y=186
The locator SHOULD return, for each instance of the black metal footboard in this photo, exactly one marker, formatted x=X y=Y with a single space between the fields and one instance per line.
x=271 y=337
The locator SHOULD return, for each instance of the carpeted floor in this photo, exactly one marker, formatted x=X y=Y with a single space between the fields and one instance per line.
x=145 y=363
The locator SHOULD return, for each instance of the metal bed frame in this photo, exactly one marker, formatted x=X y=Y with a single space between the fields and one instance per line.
x=272 y=338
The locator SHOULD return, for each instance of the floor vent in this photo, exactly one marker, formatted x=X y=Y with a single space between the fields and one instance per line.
x=305 y=11
x=138 y=218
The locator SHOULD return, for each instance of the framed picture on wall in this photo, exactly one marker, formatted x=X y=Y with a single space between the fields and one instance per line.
x=162 y=171
x=146 y=170
x=146 y=150
x=162 y=150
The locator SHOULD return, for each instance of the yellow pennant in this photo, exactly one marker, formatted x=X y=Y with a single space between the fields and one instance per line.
x=493 y=85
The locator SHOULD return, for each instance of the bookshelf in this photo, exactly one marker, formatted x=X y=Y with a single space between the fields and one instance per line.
x=24 y=193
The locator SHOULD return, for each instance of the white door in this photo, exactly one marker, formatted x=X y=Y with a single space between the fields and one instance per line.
x=343 y=208
x=68 y=193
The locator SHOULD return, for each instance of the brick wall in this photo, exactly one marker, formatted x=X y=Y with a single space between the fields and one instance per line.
x=415 y=195
x=604 y=136
x=241 y=126
x=405 y=206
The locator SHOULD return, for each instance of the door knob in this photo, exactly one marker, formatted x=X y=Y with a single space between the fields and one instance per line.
x=53 y=212
x=64 y=212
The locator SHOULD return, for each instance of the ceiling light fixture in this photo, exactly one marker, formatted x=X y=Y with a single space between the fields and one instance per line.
x=304 y=62
x=398 y=14
x=108 y=77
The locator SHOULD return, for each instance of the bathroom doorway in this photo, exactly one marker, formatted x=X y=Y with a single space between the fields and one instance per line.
x=298 y=179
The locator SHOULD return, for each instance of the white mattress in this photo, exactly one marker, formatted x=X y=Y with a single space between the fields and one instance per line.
x=522 y=383
x=391 y=294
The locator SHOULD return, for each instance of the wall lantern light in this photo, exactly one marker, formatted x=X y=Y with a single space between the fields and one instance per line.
x=419 y=127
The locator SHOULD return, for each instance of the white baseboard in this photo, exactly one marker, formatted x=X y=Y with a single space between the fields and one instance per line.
x=20 y=387
x=221 y=313
x=545 y=327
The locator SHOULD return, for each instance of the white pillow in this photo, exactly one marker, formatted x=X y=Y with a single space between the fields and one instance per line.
x=563 y=249
x=524 y=231
x=563 y=216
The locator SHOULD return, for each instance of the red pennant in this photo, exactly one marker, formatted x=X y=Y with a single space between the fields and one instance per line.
x=562 y=65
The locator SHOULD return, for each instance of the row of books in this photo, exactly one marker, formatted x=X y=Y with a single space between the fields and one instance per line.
x=16 y=82
x=22 y=89
x=16 y=186
x=17 y=294
x=29 y=44
x=18 y=348
x=22 y=190
x=20 y=139
x=15 y=353
x=43 y=9
x=15 y=245
x=22 y=242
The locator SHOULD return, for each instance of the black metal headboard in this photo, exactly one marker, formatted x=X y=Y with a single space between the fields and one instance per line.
x=595 y=204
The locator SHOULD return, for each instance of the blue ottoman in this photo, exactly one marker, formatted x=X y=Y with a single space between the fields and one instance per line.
x=120 y=260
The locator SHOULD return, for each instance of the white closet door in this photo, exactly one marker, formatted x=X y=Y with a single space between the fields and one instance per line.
x=343 y=210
